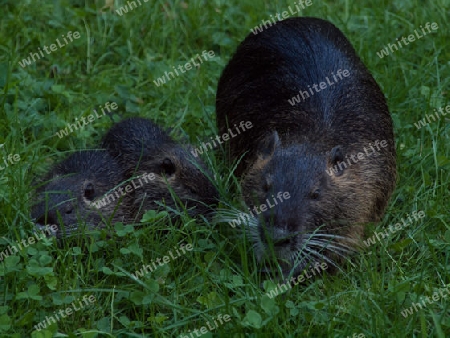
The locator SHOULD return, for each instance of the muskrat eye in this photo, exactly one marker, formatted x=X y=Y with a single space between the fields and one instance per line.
x=167 y=167
x=315 y=194
x=192 y=191
x=89 y=191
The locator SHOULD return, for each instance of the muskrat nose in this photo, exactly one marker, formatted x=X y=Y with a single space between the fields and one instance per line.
x=278 y=237
x=291 y=224
x=46 y=219
x=281 y=243
x=288 y=225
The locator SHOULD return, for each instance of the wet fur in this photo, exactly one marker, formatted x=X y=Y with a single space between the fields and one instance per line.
x=291 y=147
x=70 y=189
x=142 y=147
x=134 y=147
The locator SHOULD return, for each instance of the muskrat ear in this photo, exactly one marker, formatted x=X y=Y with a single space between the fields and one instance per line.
x=268 y=145
x=167 y=167
x=336 y=155
x=89 y=191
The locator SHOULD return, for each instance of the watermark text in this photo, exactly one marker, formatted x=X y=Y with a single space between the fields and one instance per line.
x=53 y=47
x=392 y=47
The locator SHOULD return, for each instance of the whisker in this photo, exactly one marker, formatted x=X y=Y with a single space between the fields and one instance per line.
x=329 y=235
x=331 y=246
x=296 y=256
x=346 y=239
x=343 y=255
x=320 y=257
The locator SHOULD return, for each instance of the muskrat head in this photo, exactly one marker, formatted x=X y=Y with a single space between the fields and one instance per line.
x=196 y=180
x=70 y=191
x=300 y=212
x=177 y=178
x=174 y=175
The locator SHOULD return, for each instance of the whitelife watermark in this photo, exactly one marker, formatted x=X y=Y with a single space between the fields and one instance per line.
x=166 y=259
x=411 y=38
x=423 y=123
x=77 y=125
x=225 y=137
x=320 y=267
x=128 y=188
x=203 y=330
x=12 y=159
x=245 y=217
x=342 y=165
x=53 y=48
x=124 y=9
x=69 y=310
x=30 y=240
x=394 y=228
x=407 y=312
x=161 y=80
x=284 y=15
x=322 y=85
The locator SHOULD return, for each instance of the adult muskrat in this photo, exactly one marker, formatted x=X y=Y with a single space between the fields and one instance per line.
x=302 y=141
x=70 y=190
x=140 y=146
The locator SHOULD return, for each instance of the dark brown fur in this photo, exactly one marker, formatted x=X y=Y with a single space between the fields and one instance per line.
x=142 y=147
x=291 y=148
x=69 y=192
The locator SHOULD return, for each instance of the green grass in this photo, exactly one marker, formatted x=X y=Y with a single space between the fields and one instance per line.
x=116 y=59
